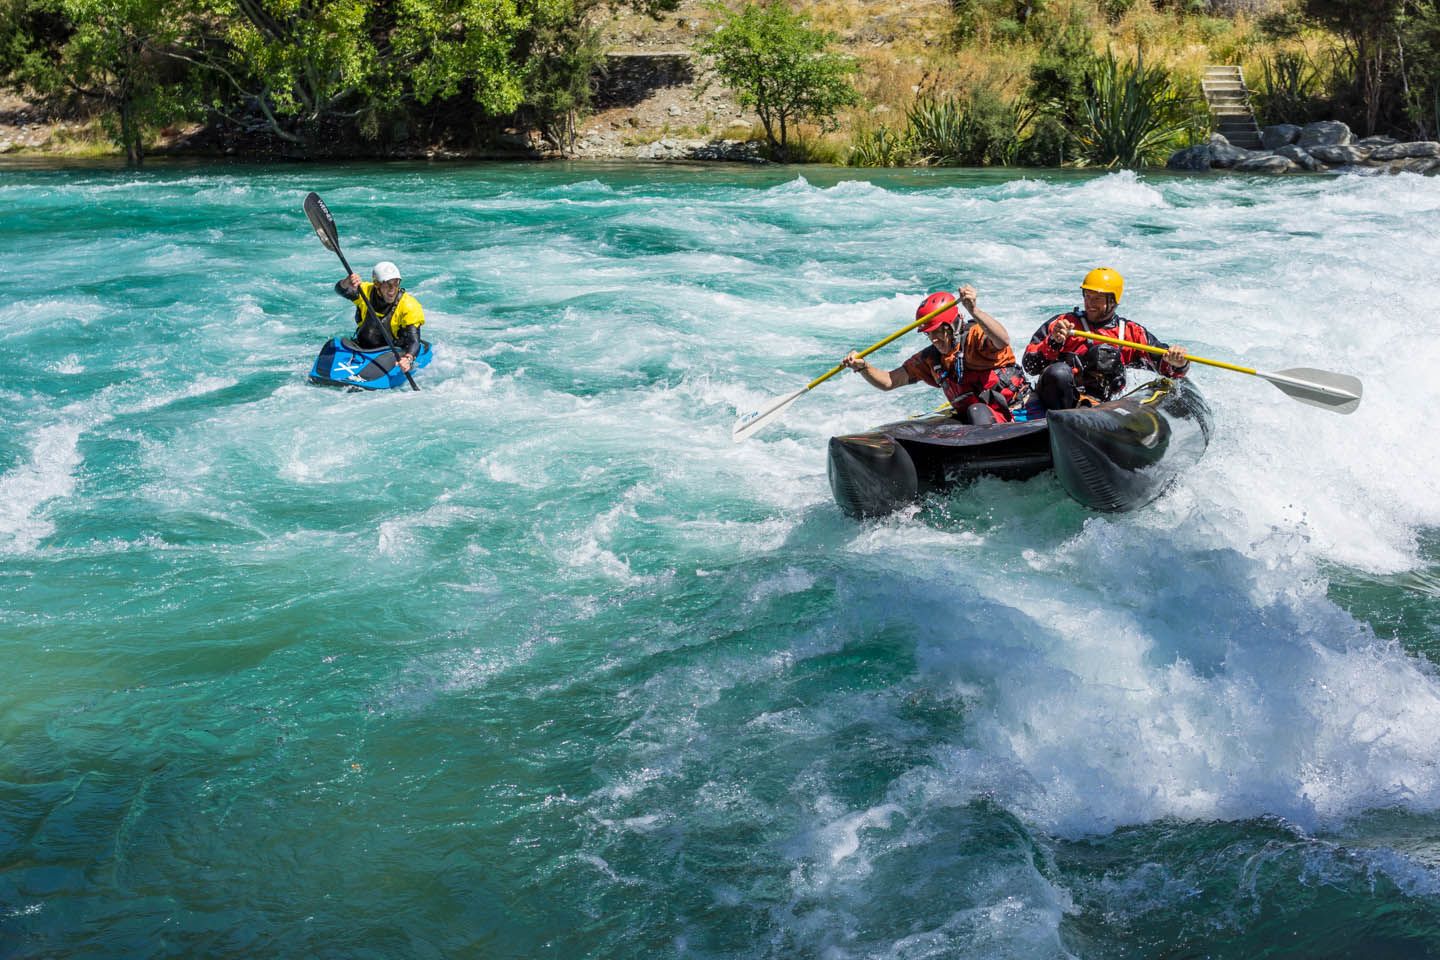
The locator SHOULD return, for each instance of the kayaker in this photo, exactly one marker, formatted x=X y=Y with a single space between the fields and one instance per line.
x=974 y=365
x=397 y=307
x=1071 y=370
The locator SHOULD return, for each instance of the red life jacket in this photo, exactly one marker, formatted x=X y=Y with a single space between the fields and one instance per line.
x=999 y=389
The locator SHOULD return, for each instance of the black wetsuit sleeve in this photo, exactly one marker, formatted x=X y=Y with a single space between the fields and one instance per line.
x=345 y=290
x=409 y=339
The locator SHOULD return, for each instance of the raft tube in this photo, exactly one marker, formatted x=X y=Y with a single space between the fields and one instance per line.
x=1123 y=454
x=344 y=363
x=1115 y=456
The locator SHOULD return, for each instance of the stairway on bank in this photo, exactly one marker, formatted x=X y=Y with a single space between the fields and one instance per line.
x=1229 y=102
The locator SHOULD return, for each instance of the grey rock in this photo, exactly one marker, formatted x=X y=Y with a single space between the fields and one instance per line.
x=1406 y=151
x=1191 y=158
x=7 y=145
x=731 y=150
x=1278 y=135
x=1223 y=154
x=1414 y=165
x=1300 y=157
x=1324 y=133
x=1265 y=163
x=1376 y=141
x=1340 y=154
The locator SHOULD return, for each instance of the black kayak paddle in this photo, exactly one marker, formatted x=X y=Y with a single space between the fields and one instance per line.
x=324 y=225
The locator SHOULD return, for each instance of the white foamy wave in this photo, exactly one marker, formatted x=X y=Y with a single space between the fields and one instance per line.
x=26 y=488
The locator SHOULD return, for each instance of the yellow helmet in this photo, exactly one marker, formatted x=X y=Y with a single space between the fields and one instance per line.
x=1104 y=280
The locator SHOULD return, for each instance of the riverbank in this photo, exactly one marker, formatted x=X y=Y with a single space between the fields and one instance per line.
x=655 y=99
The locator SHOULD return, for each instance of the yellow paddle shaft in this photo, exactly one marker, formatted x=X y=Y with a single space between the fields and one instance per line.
x=888 y=340
x=1159 y=352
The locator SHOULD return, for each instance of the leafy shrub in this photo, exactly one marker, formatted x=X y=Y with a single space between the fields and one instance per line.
x=881 y=147
x=977 y=131
x=1134 y=116
x=1291 y=90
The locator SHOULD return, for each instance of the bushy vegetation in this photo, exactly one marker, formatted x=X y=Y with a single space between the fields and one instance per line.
x=1070 y=100
x=307 y=73
x=1134 y=114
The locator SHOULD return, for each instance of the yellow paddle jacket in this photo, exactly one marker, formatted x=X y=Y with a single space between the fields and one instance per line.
x=407 y=311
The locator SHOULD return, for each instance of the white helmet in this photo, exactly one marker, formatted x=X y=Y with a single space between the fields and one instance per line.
x=385 y=270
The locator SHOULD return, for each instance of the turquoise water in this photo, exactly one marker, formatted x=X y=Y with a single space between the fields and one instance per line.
x=536 y=662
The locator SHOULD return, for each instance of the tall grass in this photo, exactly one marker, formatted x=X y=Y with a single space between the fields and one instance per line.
x=1135 y=115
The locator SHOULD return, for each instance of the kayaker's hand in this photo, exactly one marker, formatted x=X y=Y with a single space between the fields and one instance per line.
x=353 y=281
x=406 y=362
x=1176 y=357
x=853 y=361
x=1060 y=332
x=967 y=296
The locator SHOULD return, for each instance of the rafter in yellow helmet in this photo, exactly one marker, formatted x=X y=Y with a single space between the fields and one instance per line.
x=1104 y=280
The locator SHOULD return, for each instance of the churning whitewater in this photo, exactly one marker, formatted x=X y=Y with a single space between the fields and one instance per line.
x=536 y=661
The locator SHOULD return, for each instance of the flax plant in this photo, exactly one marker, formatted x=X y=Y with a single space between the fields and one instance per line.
x=881 y=147
x=978 y=131
x=1135 y=116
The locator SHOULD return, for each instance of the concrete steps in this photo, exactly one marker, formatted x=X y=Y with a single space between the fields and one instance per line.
x=1229 y=102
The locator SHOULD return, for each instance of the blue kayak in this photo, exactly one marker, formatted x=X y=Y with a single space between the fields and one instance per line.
x=344 y=363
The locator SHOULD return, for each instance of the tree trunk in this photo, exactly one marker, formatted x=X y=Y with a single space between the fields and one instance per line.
x=130 y=133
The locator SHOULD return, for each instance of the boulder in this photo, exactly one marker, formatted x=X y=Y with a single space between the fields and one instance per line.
x=1300 y=157
x=1223 y=154
x=1265 y=163
x=1278 y=135
x=729 y=150
x=1414 y=165
x=1324 y=133
x=1375 y=141
x=1406 y=151
x=1340 y=154
x=1191 y=158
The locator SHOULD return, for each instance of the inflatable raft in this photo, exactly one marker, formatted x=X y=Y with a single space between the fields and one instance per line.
x=1118 y=455
x=344 y=363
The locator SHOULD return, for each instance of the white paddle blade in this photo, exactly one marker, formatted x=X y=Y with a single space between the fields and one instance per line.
x=1338 y=392
x=751 y=422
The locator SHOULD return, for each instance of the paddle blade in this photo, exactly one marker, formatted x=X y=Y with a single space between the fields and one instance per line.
x=755 y=419
x=1339 y=392
x=324 y=224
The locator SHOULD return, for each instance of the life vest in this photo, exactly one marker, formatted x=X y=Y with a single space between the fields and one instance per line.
x=1000 y=388
x=1100 y=367
x=404 y=312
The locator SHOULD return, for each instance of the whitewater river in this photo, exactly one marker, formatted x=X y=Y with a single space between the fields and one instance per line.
x=537 y=662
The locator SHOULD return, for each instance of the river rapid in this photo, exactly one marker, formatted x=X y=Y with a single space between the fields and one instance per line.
x=537 y=662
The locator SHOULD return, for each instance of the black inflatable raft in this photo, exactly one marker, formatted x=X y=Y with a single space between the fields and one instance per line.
x=1114 y=456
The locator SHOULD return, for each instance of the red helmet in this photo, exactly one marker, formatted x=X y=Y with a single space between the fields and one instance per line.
x=935 y=301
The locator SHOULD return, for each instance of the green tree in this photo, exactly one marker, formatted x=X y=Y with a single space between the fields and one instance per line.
x=1418 y=48
x=112 y=54
x=312 y=72
x=1369 y=28
x=777 y=63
